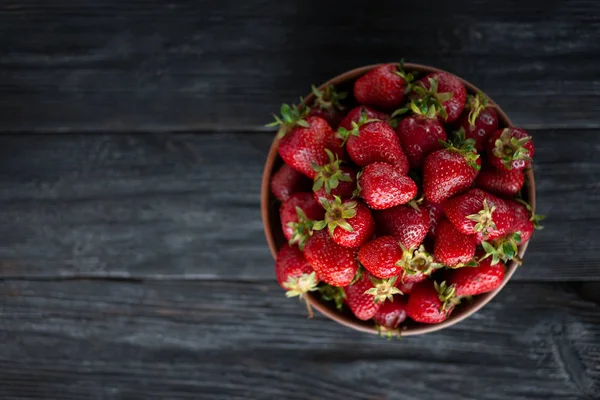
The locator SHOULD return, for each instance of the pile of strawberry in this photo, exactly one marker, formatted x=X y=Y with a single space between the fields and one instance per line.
x=405 y=204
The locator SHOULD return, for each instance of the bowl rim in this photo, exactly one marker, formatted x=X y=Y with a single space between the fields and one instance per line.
x=351 y=322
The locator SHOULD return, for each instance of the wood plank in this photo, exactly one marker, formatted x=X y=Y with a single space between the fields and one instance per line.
x=152 y=207
x=216 y=340
x=151 y=66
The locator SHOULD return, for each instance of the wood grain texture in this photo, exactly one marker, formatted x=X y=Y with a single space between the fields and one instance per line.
x=150 y=65
x=215 y=340
x=174 y=206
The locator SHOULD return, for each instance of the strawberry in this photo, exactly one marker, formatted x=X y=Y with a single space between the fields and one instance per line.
x=420 y=134
x=287 y=181
x=483 y=278
x=295 y=274
x=355 y=114
x=383 y=86
x=479 y=213
x=384 y=186
x=510 y=148
x=431 y=303
x=333 y=179
x=359 y=301
x=304 y=140
x=372 y=141
x=525 y=221
x=334 y=264
x=451 y=247
x=406 y=287
x=350 y=223
x=327 y=105
x=449 y=171
x=502 y=182
x=379 y=257
x=436 y=213
x=391 y=313
x=479 y=120
x=445 y=91
x=416 y=264
x=297 y=215
x=405 y=223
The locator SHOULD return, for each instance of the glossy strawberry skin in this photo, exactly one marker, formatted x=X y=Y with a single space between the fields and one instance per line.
x=485 y=124
x=446 y=173
x=334 y=264
x=362 y=305
x=379 y=257
x=452 y=247
x=385 y=186
x=515 y=164
x=381 y=87
x=287 y=211
x=436 y=213
x=502 y=182
x=522 y=221
x=460 y=207
x=391 y=313
x=448 y=83
x=332 y=116
x=377 y=142
x=472 y=281
x=419 y=137
x=407 y=225
x=425 y=306
x=355 y=114
x=344 y=190
x=287 y=181
x=300 y=147
x=290 y=263
x=363 y=225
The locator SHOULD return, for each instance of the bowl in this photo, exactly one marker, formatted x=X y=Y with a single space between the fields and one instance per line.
x=275 y=239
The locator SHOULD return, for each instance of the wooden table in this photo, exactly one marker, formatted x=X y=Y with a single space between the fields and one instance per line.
x=132 y=258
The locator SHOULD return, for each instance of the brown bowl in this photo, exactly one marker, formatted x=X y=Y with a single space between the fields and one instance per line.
x=275 y=239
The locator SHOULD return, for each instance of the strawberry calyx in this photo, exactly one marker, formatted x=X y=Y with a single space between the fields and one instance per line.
x=329 y=175
x=291 y=116
x=484 y=221
x=535 y=218
x=328 y=98
x=417 y=261
x=336 y=214
x=356 y=192
x=431 y=97
x=508 y=148
x=299 y=286
x=302 y=229
x=406 y=76
x=332 y=293
x=503 y=249
x=464 y=147
x=384 y=289
x=345 y=134
x=447 y=295
x=477 y=104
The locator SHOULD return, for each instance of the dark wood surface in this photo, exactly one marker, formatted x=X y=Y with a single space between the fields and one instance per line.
x=132 y=259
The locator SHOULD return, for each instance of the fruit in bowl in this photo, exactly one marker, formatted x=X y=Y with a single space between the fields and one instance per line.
x=422 y=199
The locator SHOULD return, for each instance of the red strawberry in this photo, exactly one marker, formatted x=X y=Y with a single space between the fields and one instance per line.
x=406 y=287
x=510 y=148
x=436 y=214
x=431 y=303
x=379 y=257
x=449 y=171
x=327 y=105
x=453 y=248
x=297 y=215
x=391 y=313
x=287 y=181
x=350 y=223
x=446 y=92
x=384 y=186
x=525 y=221
x=334 y=264
x=420 y=134
x=374 y=141
x=359 y=301
x=477 y=280
x=383 y=86
x=479 y=120
x=333 y=179
x=478 y=212
x=355 y=114
x=417 y=264
x=406 y=224
x=295 y=274
x=502 y=182
x=304 y=140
